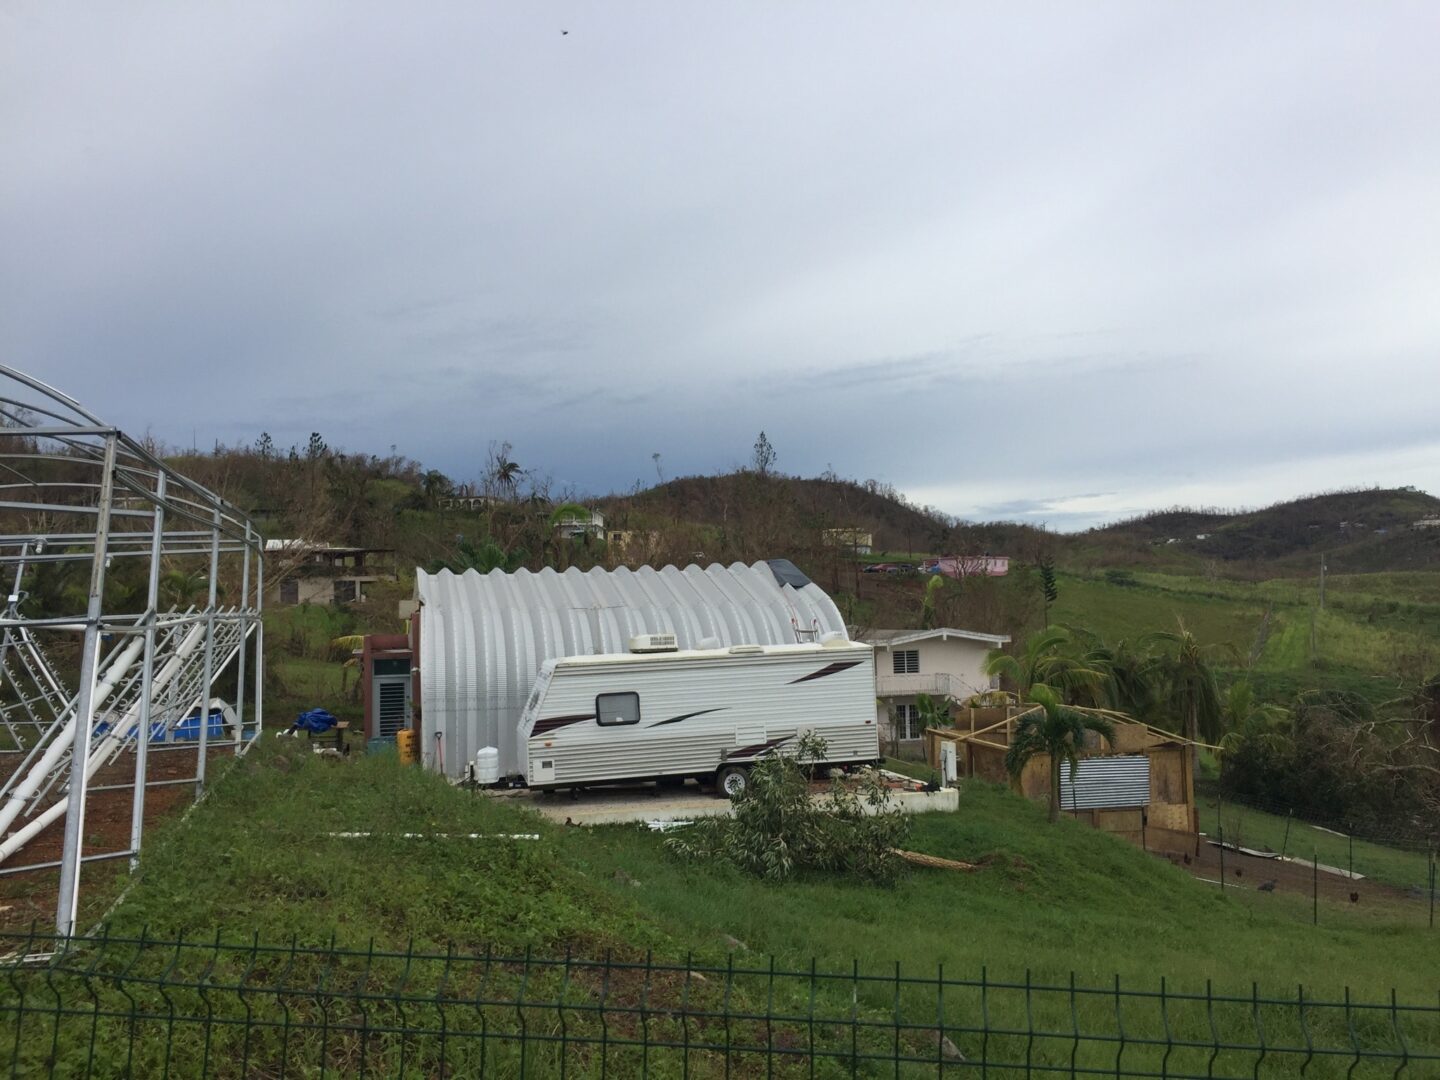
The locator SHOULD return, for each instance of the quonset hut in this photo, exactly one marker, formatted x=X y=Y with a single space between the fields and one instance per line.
x=482 y=637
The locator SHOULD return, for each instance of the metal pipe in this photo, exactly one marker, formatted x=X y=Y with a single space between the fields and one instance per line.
x=244 y=642
x=147 y=676
x=209 y=658
x=69 y=899
x=28 y=867
x=147 y=784
x=259 y=640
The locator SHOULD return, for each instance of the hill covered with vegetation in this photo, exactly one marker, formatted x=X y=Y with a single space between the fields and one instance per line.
x=1359 y=531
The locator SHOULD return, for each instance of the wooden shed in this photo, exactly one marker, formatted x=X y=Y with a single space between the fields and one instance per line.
x=1140 y=785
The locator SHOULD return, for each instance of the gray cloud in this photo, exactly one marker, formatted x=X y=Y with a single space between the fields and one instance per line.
x=1149 y=255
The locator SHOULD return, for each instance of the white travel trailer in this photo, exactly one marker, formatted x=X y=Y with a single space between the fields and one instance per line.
x=702 y=713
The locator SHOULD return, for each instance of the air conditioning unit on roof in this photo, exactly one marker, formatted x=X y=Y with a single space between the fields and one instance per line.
x=647 y=643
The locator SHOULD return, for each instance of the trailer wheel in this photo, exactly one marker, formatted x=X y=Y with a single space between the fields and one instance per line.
x=732 y=780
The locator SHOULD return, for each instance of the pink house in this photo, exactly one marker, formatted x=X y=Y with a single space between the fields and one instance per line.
x=963 y=566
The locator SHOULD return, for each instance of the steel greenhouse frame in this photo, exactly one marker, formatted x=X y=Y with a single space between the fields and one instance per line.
x=75 y=490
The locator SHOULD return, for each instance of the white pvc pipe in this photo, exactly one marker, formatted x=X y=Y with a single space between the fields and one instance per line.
x=118 y=733
x=99 y=754
x=114 y=673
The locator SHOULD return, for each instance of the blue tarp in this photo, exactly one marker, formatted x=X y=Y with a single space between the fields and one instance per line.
x=188 y=730
x=315 y=721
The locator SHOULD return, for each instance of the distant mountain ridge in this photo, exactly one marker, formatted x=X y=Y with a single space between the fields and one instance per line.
x=1359 y=530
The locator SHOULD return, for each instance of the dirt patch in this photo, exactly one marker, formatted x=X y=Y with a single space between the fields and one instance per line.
x=30 y=897
x=1253 y=873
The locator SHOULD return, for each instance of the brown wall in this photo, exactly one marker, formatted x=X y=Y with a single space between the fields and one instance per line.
x=383 y=647
x=1169 y=823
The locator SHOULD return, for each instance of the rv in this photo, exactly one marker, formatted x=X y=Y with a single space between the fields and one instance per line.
x=703 y=714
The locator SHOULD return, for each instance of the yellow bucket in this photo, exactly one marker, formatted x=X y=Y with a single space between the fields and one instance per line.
x=405 y=744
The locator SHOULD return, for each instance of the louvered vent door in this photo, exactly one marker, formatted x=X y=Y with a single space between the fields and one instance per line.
x=392 y=703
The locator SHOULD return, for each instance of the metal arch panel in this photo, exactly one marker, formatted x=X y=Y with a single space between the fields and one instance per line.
x=484 y=637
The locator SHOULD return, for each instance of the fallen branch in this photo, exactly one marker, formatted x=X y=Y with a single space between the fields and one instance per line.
x=921 y=859
x=433 y=836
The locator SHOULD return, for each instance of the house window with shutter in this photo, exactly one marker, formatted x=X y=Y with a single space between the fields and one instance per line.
x=907 y=661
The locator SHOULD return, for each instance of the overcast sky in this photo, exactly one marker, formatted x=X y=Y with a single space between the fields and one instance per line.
x=1056 y=262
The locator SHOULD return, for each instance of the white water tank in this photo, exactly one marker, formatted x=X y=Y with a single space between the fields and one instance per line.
x=487 y=765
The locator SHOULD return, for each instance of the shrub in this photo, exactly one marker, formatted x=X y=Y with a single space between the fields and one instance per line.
x=778 y=830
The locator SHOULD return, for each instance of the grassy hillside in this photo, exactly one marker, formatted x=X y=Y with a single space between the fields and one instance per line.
x=256 y=861
x=817 y=503
x=256 y=856
x=1376 y=629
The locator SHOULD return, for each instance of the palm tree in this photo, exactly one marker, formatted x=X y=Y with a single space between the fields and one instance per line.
x=507 y=475
x=1054 y=729
x=482 y=556
x=1191 y=688
x=436 y=484
x=1045 y=660
x=933 y=711
x=934 y=586
x=1247 y=720
x=1133 y=675
x=183 y=589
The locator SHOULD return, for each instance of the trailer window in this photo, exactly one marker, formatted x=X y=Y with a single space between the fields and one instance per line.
x=612 y=710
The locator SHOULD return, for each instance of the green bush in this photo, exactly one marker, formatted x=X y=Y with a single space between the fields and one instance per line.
x=778 y=830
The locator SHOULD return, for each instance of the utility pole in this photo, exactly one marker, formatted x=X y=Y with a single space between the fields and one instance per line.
x=1322 y=581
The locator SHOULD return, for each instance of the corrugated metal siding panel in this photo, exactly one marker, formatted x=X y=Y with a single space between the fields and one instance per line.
x=483 y=637
x=1106 y=782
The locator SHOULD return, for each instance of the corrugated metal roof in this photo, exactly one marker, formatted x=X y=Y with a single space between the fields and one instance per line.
x=483 y=637
x=888 y=638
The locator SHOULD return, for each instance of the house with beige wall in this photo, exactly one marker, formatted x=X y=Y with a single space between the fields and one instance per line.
x=944 y=663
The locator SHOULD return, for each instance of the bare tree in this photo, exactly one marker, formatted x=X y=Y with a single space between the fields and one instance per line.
x=764 y=457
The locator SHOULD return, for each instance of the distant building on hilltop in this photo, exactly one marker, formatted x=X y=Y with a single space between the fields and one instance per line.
x=853 y=540
x=572 y=526
x=632 y=547
x=466 y=502
x=312 y=572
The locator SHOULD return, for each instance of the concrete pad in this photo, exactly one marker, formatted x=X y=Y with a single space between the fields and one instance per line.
x=646 y=802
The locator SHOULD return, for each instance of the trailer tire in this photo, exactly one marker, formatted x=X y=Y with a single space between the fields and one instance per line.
x=732 y=780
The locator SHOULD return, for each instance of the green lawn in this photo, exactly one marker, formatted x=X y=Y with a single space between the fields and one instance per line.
x=1047 y=901
x=255 y=856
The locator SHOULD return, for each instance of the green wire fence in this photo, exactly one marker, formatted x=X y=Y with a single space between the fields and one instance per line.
x=110 y=1006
